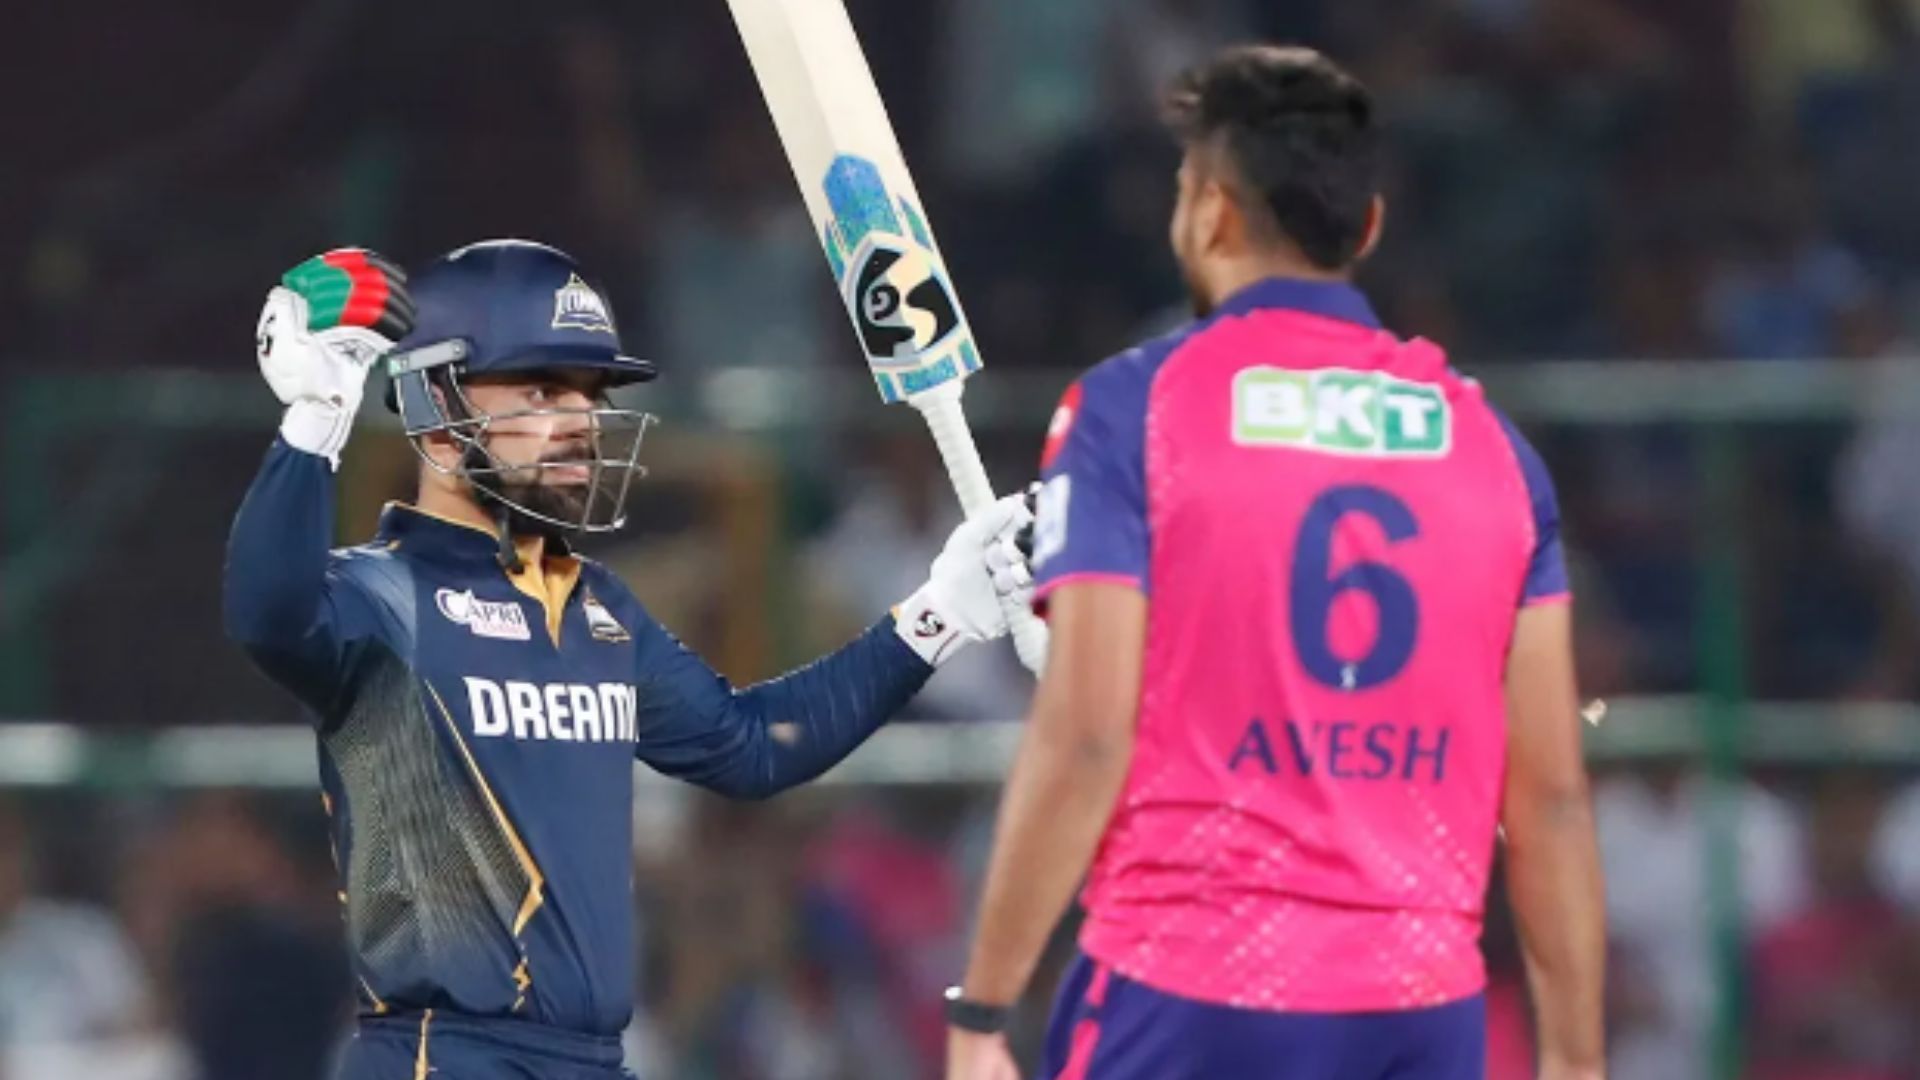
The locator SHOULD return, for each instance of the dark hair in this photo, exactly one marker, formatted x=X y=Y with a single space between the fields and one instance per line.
x=1298 y=130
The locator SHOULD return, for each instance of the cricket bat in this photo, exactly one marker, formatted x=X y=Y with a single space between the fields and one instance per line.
x=866 y=212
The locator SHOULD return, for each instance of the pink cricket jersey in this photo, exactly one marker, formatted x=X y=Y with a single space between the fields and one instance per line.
x=1334 y=530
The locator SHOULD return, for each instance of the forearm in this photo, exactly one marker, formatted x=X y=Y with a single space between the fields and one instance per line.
x=275 y=580
x=1554 y=885
x=803 y=723
x=1043 y=844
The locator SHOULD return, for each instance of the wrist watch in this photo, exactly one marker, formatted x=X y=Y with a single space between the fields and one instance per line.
x=976 y=1016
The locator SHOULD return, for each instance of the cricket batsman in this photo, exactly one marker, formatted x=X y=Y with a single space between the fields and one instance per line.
x=480 y=692
x=1311 y=646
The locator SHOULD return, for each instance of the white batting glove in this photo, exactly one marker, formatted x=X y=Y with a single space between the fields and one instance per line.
x=319 y=334
x=979 y=577
x=1018 y=602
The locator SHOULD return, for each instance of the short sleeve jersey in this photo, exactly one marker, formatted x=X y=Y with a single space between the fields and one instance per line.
x=1334 y=530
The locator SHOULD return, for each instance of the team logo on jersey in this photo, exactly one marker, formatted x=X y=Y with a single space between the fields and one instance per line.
x=601 y=623
x=576 y=306
x=501 y=619
x=1338 y=411
x=1050 y=519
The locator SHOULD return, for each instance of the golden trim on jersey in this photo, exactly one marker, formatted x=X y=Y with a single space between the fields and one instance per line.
x=421 y=1067
x=549 y=581
x=379 y=1007
x=536 y=881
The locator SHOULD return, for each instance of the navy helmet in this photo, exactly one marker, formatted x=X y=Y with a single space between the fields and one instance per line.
x=501 y=306
x=504 y=306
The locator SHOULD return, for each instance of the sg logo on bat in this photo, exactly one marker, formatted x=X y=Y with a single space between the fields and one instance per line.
x=904 y=306
x=893 y=284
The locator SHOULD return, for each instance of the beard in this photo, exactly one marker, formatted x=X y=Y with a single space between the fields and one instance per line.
x=561 y=503
x=529 y=503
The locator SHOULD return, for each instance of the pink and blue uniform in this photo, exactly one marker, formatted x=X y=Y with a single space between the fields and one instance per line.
x=1335 y=531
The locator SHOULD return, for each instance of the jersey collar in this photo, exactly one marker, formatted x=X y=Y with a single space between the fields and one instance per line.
x=1327 y=299
x=405 y=523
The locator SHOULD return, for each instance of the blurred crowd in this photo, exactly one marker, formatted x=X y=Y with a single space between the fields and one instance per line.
x=1713 y=180
x=196 y=937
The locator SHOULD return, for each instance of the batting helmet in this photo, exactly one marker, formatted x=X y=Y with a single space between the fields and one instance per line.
x=506 y=306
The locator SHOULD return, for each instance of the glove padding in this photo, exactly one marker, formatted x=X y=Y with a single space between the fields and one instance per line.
x=1020 y=602
x=319 y=334
x=979 y=577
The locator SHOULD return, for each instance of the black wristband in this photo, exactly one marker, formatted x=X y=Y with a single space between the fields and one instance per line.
x=976 y=1016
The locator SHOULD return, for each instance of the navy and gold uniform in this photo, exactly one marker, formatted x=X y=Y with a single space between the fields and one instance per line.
x=477 y=731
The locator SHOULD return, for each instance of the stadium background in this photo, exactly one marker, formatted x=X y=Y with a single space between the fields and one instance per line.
x=1680 y=239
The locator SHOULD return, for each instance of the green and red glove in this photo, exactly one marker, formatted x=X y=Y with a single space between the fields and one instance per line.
x=319 y=334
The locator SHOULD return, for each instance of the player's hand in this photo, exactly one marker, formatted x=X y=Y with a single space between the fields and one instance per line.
x=979 y=576
x=972 y=1056
x=1017 y=602
x=319 y=334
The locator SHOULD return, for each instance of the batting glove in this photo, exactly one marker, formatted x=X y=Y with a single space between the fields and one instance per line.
x=319 y=334
x=979 y=576
x=1018 y=602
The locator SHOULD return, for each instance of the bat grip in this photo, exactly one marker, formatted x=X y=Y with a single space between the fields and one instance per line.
x=948 y=423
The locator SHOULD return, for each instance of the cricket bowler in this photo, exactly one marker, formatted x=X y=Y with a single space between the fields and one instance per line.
x=1311 y=646
x=480 y=691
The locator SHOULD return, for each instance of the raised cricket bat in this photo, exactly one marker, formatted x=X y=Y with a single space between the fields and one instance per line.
x=867 y=214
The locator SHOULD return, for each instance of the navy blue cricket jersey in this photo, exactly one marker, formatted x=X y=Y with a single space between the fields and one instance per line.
x=477 y=734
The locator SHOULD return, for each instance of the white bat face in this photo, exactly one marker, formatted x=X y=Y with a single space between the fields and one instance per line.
x=901 y=303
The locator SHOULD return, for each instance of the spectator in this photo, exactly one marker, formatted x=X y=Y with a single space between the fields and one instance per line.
x=1896 y=850
x=1824 y=1001
x=67 y=973
x=886 y=900
x=257 y=974
x=1654 y=842
x=735 y=270
x=1878 y=502
x=1784 y=288
x=736 y=1003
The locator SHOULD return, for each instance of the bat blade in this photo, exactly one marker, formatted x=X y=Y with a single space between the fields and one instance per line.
x=866 y=212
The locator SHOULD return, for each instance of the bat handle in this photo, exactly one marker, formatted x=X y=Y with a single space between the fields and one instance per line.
x=948 y=423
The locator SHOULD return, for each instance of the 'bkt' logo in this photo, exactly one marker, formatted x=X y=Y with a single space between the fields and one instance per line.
x=1337 y=411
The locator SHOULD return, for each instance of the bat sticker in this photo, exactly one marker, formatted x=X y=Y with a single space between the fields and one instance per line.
x=901 y=303
x=893 y=284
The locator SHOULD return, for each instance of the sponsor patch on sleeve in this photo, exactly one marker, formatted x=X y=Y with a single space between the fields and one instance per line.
x=1050 y=519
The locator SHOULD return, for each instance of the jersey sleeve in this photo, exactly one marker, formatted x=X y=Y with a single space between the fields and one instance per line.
x=756 y=742
x=1092 y=518
x=1546 y=579
x=283 y=600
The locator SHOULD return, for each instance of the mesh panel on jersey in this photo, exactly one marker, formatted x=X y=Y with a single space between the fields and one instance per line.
x=430 y=870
